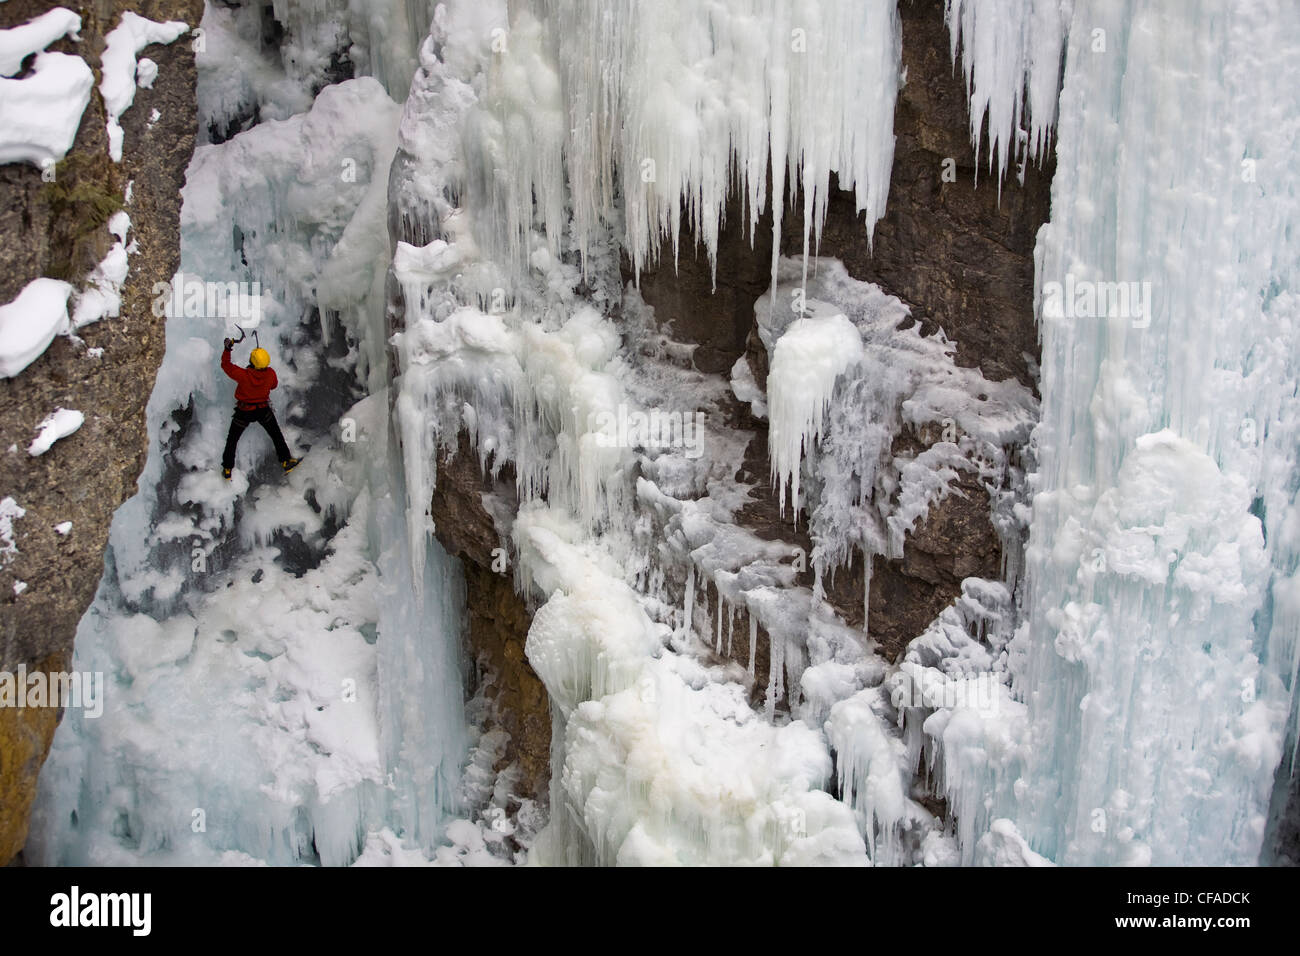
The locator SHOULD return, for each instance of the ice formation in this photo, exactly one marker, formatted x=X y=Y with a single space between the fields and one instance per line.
x=1011 y=56
x=1199 y=554
x=276 y=625
x=811 y=354
x=646 y=112
x=246 y=79
x=532 y=376
x=851 y=352
x=1158 y=654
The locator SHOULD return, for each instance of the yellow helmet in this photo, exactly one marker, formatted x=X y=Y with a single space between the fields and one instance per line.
x=260 y=358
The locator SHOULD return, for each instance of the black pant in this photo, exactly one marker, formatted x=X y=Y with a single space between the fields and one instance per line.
x=241 y=420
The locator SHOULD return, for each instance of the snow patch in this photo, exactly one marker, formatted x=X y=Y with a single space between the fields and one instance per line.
x=29 y=323
x=10 y=511
x=18 y=43
x=119 y=67
x=40 y=113
x=61 y=423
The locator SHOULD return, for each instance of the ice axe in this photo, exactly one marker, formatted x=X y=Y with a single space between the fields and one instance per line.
x=257 y=344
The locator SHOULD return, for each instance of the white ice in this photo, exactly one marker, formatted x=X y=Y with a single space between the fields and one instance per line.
x=692 y=100
x=1158 y=656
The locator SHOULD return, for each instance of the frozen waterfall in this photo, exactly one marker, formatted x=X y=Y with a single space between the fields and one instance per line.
x=285 y=655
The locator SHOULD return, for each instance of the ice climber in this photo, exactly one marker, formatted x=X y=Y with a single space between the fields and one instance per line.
x=253 y=404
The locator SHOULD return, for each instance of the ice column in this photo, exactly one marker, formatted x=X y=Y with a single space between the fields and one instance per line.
x=1159 y=658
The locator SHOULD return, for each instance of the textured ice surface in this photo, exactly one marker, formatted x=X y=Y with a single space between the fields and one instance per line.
x=652 y=112
x=813 y=351
x=279 y=688
x=243 y=80
x=848 y=384
x=1124 y=700
x=1011 y=54
x=648 y=725
x=1158 y=657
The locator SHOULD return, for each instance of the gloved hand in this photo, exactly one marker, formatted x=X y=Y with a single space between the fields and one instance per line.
x=229 y=344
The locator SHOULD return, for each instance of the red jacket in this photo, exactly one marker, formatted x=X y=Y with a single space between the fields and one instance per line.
x=254 y=384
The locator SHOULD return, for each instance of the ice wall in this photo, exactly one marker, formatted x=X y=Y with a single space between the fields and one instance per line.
x=381 y=37
x=279 y=688
x=1159 y=651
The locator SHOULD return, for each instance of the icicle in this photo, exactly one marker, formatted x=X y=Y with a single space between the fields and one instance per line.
x=753 y=640
x=866 y=591
x=717 y=640
x=687 y=618
x=691 y=101
x=1166 y=451
x=808 y=358
x=775 y=673
x=1006 y=51
x=778 y=136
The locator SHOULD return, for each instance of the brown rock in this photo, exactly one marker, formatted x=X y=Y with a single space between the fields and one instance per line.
x=498 y=617
x=959 y=253
x=25 y=736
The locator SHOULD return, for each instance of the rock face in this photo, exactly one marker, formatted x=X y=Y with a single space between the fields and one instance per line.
x=961 y=252
x=498 y=617
x=957 y=252
x=85 y=477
